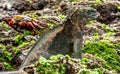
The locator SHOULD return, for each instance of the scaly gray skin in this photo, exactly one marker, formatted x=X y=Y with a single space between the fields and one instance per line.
x=64 y=39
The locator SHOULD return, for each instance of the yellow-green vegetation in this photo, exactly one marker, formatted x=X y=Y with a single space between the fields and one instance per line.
x=19 y=39
x=7 y=66
x=6 y=56
x=4 y=25
x=118 y=48
x=27 y=33
x=50 y=25
x=98 y=1
x=72 y=0
x=117 y=6
x=50 y=67
x=104 y=50
x=21 y=42
x=61 y=16
x=30 y=1
x=103 y=47
x=24 y=44
x=107 y=29
x=5 y=53
x=16 y=51
x=34 y=16
x=91 y=23
x=59 y=64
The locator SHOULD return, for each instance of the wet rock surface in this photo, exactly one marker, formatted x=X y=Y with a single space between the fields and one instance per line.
x=27 y=6
x=108 y=13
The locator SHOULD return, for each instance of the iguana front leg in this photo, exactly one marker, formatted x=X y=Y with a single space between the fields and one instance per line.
x=77 y=41
x=77 y=34
x=77 y=48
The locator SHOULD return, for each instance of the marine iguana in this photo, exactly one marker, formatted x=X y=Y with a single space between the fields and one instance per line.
x=65 y=38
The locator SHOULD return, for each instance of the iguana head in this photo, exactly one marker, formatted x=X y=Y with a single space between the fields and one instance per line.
x=82 y=15
x=89 y=13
